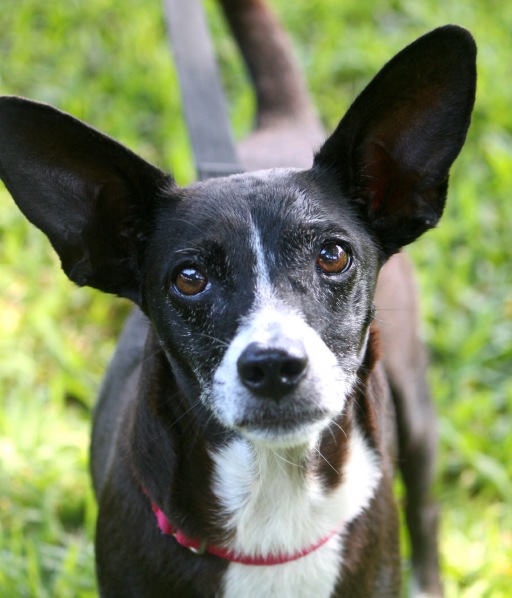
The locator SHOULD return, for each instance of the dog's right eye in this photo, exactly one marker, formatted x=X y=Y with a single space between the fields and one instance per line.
x=190 y=281
x=333 y=258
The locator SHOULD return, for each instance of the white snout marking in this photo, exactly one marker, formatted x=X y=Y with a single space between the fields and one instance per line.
x=325 y=385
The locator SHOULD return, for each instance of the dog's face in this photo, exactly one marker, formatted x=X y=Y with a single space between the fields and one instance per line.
x=259 y=286
x=265 y=298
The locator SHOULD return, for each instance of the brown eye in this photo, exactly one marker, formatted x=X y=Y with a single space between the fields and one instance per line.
x=190 y=281
x=333 y=259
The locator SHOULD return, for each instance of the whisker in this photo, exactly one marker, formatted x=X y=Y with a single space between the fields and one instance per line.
x=386 y=323
x=183 y=415
x=327 y=461
x=335 y=423
x=214 y=338
x=298 y=465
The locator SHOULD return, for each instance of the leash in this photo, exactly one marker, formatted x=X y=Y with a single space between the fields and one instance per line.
x=202 y=94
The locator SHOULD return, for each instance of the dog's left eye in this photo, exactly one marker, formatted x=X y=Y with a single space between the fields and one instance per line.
x=190 y=281
x=333 y=259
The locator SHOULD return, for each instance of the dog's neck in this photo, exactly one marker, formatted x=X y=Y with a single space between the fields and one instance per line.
x=254 y=498
x=275 y=502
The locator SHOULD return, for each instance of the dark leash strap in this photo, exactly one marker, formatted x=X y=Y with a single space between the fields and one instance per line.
x=202 y=94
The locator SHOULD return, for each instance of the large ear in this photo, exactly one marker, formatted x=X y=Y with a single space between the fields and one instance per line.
x=90 y=195
x=392 y=151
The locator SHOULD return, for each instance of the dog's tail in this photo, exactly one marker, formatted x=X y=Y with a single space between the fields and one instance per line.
x=287 y=129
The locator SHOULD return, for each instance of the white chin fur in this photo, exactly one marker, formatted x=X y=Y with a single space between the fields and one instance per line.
x=304 y=435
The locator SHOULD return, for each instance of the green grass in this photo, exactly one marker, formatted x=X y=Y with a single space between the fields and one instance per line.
x=108 y=63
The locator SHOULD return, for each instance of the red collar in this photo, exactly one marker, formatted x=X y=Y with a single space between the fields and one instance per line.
x=200 y=547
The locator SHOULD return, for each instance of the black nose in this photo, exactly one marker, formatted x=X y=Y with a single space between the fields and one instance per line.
x=270 y=371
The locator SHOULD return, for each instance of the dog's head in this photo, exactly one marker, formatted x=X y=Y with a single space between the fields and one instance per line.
x=264 y=297
x=259 y=285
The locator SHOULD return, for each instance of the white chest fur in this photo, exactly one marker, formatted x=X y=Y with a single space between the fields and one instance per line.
x=278 y=507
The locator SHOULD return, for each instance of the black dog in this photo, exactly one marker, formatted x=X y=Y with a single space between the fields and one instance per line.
x=255 y=429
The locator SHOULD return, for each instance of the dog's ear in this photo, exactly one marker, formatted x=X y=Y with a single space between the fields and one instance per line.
x=392 y=151
x=90 y=195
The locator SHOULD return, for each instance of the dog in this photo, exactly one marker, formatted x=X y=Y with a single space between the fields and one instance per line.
x=247 y=431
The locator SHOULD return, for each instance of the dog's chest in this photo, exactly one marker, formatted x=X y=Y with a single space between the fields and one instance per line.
x=276 y=507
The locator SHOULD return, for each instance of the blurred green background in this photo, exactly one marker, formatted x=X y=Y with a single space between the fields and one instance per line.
x=108 y=63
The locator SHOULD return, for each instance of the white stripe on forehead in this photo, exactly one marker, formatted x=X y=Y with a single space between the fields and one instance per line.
x=264 y=288
x=263 y=283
